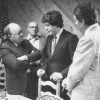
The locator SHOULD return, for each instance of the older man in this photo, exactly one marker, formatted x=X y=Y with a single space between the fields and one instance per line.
x=16 y=54
x=36 y=38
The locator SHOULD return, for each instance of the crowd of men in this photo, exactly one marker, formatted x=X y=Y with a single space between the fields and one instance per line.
x=62 y=57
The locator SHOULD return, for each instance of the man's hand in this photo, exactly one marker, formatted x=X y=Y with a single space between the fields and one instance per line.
x=56 y=76
x=64 y=83
x=32 y=51
x=24 y=57
x=40 y=72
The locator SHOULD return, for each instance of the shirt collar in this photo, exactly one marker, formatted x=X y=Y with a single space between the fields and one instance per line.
x=92 y=26
x=59 y=33
x=16 y=44
x=29 y=37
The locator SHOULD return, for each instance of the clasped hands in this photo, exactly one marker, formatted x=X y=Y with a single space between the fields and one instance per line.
x=56 y=76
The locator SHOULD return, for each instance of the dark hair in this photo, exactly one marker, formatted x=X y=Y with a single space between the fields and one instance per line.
x=87 y=12
x=53 y=18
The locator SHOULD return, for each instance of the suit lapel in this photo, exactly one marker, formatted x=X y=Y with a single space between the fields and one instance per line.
x=15 y=50
x=49 y=46
x=58 y=45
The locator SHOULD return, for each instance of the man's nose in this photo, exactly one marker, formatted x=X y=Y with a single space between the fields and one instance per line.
x=34 y=29
x=46 y=28
x=21 y=34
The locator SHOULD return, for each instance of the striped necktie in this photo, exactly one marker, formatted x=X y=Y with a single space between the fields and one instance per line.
x=53 y=44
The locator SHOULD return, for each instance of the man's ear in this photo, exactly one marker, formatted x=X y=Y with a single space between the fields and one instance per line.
x=6 y=31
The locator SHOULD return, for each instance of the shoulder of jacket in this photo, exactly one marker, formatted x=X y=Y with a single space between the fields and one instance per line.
x=68 y=34
x=93 y=28
x=4 y=45
x=25 y=41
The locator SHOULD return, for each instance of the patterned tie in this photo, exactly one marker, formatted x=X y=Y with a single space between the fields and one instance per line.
x=53 y=44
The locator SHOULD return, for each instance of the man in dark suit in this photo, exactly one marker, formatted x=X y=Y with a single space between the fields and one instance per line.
x=16 y=54
x=59 y=49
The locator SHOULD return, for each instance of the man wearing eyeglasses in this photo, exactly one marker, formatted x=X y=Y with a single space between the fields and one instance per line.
x=37 y=40
x=34 y=36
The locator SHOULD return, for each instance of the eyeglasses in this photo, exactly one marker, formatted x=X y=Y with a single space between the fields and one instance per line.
x=20 y=33
x=33 y=27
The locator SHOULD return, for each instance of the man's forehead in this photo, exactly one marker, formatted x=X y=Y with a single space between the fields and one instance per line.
x=33 y=24
x=15 y=30
x=47 y=24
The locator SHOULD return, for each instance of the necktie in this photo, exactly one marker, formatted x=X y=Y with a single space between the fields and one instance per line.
x=53 y=44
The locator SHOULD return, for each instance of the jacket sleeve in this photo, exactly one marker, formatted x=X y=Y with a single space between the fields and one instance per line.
x=33 y=53
x=72 y=44
x=82 y=60
x=11 y=61
x=45 y=60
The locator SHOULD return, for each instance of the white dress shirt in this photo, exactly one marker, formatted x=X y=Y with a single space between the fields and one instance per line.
x=34 y=41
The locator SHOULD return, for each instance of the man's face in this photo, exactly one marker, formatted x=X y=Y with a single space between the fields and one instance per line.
x=51 y=29
x=16 y=35
x=33 y=29
x=79 y=24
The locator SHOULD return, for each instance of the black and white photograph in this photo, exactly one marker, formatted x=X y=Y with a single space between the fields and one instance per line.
x=49 y=49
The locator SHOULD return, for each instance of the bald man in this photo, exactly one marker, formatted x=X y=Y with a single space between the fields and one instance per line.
x=16 y=54
x=38 y=41
x=36 y=38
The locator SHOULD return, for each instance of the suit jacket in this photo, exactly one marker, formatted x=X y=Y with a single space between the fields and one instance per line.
x=84 y=73
x=62 y=55
x=15 y=69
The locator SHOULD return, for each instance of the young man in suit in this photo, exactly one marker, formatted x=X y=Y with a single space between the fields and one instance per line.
x=16 y=53
x=83 y=80
x=59 y=49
